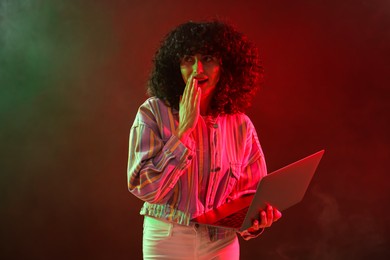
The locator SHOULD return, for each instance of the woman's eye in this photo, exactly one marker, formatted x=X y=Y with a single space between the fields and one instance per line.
x=208 y=58
x=188 y=59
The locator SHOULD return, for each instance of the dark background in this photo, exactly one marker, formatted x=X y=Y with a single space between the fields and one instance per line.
x=73 y=73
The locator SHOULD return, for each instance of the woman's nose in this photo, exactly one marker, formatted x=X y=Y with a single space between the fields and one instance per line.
x=198 y=66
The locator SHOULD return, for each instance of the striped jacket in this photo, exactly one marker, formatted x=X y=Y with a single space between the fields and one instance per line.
x=221 y=161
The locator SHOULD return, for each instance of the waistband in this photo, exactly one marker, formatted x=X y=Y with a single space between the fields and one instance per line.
x=214 y=233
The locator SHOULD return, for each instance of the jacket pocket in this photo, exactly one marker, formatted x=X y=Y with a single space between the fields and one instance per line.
x=234 y=176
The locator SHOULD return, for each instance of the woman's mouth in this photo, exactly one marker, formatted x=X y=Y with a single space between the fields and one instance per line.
x=202 y=81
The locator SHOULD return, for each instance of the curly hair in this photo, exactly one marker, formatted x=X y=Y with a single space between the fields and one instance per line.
x=240 y=65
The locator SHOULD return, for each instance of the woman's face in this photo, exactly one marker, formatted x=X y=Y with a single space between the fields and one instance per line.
x=205 y=68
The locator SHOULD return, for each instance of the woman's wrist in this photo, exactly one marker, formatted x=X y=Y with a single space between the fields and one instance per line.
x=182 y=135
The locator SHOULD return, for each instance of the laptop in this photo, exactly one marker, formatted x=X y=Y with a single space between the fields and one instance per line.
x=282 y=189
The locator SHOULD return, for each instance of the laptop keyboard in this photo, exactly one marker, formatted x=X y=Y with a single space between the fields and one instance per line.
x=235 y=220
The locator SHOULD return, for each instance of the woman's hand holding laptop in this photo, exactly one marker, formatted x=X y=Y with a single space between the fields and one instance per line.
x=267 y=216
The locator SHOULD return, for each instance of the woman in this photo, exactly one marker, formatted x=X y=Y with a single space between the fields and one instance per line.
x=191 y=147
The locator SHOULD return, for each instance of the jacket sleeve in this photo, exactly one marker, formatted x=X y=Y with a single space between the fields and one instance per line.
x=253 y=167
x=154 y=165
x=253 y=170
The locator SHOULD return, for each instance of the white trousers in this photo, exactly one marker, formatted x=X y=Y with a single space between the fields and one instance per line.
x=167 y=240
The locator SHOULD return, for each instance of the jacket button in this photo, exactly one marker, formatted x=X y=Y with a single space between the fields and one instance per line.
x=217 y=169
